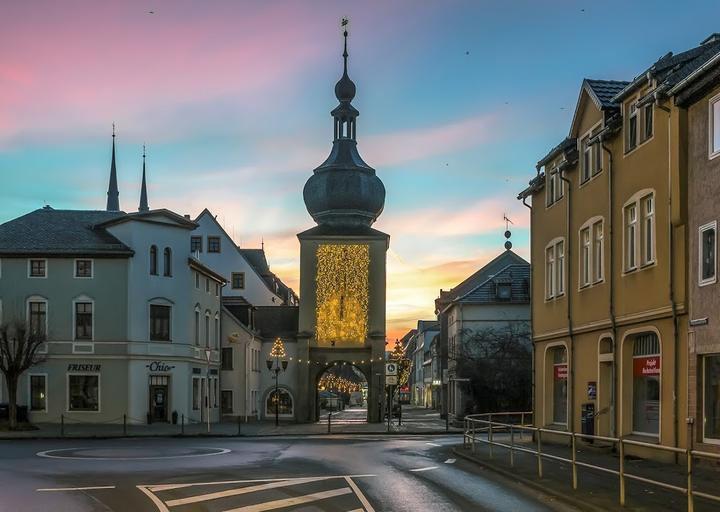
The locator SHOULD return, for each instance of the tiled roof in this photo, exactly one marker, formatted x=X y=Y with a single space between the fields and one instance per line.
x=256 y=258
x=606 y=90
x=518 y=276
x=61 y=232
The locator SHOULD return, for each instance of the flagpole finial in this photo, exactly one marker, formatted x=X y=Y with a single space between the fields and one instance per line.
x=113 y=129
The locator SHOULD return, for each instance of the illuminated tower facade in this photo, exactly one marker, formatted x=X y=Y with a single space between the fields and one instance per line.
x=342 y=264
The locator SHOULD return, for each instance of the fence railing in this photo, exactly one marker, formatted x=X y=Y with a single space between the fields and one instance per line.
x=481 y=428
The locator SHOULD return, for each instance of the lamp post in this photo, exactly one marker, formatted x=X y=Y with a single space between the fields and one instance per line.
x=207 y=388
x=277 y=356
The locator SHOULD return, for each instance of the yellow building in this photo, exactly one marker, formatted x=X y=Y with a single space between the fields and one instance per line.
x=609 y=250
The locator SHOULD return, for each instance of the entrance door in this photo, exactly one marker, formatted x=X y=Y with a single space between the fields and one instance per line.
x=604 y=408
x=159 y=397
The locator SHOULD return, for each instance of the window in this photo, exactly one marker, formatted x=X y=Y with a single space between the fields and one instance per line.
x=83 y=320
x=630 y=237
x=555 y=269
x=587 y=159
x=196 y=395
x=711 y=398
x=197 y=327
x=167 y=262
x=282 y=400
x=207 y=285
x=553 y=186
x=503 y=291
x=632 y=141
x=591 y=253
x=238 y=280
x=227 y=401
x=207 y=330
x=38 y=268
x=38 y=393
x=83 y=393
x=598 y=250
x=708 y=247
x=213 y=244
x=215 y=392
x=195 y=244
x=159 y=323
x=153 y=260
x=714 y=127
x=83 y=268
x=648 y=121
x=217 y=289
x=585 y=256
x=646 y=384
x=226 y=358
x=560 y=378
x=37 y=316
x=217 y=333
x=197 y=280
x=648 y=229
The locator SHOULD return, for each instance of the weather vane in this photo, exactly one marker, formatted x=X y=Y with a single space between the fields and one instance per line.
x=508 y=243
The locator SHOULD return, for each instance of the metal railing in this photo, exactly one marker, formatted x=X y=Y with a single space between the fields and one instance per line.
x=480 y=428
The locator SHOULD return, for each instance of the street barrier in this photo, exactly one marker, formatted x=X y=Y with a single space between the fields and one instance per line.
x=480 y=428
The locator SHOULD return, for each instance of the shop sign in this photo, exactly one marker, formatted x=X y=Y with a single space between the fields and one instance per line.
x=645 y=366
x=159 y=366
x=561 y=372
x=73 y=367
x=592 y=390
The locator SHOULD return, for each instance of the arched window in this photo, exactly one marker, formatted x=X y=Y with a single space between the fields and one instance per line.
x=207 y=329
x=167 y=262
x=153 y=260
x=646 y=384
x=560 y=380
x=217 y=331
x=284 y=403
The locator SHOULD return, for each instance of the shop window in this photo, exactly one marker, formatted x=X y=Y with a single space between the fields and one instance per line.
x=560 y=379
x=84 y=393
x=646 y=384
x=284 y=403
x=196 y=395
x=711 y=398
x=38 y=393
x=227 y=401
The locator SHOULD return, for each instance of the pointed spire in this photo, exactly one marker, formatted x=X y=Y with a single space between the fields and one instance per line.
x=143 y=191
x=113 y=195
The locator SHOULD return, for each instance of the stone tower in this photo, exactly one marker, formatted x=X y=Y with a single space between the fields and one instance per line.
x=342 y=265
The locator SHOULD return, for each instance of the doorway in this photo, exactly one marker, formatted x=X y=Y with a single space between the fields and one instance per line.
x=159 y=394
x=342 y=391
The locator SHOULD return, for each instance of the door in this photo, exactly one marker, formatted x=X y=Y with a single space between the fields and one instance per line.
x=604 y=395
x=158 y=402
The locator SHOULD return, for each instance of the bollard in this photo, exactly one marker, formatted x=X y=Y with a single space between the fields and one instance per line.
x=622 y=473
x=574 y=460
x=124 y=424
x=539 y=453
x=329 y=421
x=182 y=425
x=62 y=426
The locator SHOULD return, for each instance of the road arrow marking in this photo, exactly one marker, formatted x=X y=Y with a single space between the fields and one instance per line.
x=450 y=461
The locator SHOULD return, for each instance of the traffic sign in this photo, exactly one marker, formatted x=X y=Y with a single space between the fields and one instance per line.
x=391 y=380
x=390 y=369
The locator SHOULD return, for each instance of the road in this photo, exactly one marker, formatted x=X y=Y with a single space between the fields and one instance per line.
x=311 y=473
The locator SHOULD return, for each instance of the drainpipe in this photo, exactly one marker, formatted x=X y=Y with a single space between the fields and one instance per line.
x=532 y=341
x=568 y=291
x=671 y=267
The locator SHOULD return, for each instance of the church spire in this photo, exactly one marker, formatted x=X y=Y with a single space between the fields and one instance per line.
x=113 y=196
x=143 y=191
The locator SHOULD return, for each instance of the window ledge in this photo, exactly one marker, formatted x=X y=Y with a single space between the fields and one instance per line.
x=643 y=438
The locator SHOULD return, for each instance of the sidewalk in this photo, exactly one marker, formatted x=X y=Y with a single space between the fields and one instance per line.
x=415 y=420
x=597 y=490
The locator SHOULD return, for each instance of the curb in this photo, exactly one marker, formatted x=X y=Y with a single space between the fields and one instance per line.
x=535 y=485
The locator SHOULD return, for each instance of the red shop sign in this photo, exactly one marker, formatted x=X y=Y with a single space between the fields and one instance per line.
x=561 y=372
x=644 y=366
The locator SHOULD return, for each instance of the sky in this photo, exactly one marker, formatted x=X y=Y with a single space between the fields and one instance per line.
x=458 y=100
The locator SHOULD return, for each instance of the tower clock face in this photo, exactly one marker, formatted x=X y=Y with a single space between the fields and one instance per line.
x=342 y=293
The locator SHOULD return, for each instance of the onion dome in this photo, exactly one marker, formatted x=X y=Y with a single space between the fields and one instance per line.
x=344 y=190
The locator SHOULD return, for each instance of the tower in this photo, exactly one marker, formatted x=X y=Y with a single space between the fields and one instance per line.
x=113 y=196
x=342 y=262
x=143 y=189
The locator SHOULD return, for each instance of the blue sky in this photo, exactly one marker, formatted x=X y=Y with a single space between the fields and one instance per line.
x=458 y=100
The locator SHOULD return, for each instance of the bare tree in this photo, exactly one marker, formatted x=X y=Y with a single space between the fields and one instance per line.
x=19 y=347
x=498 y=363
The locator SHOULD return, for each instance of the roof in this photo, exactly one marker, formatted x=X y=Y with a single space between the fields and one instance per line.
x=150 y=215
x=277 y=321
x=495 y=267
x=257 y=260
x=567 y=144
x=517 y=276
x=62 y=232
x=670 y=69
x=200 y=267
x=324 y=230
x=603 y=91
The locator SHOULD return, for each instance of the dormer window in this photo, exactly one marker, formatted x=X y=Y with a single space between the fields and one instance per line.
x=503 y=290
x=553 y=186
x=632 y=141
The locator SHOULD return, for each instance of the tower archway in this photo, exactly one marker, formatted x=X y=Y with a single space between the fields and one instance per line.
x=342 y=386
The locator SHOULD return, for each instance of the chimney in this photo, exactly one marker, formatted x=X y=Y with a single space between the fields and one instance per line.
x=187 y=216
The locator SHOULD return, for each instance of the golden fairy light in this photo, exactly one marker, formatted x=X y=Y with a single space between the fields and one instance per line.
x=278 y=349
x=342 y=293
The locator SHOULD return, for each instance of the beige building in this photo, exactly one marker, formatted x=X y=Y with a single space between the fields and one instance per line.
x=609 y=246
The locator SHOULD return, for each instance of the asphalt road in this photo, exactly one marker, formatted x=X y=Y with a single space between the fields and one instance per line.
x=338 y=474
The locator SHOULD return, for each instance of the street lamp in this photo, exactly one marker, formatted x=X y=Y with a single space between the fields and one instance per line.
x=277 y=356
x=207 y=387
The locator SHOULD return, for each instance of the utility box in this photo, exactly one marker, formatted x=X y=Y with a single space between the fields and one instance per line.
x=587 y=420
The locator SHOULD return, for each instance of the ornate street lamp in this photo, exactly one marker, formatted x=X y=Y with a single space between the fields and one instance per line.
x=277 y=356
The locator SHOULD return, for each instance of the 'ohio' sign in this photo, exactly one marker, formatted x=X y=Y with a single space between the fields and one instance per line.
x=645 y=366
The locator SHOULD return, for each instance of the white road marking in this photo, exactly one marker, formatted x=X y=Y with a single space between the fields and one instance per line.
x=288 y=502
x=360 y=495
x=423 y=469
x=48 y=454
x=157 y=501
x=169 y=487
x=76 y=488
x=450 y=461
x=242 y=490
x=433 y=444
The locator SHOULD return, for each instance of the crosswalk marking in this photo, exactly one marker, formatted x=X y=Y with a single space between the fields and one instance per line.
x=423 y=469
x=360 y=495
x=241 y=490
x=288 y=502
x=433 y=444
